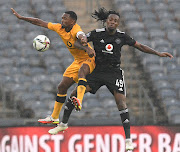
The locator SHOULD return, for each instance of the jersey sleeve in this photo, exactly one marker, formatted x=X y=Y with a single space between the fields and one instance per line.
x=129 y=40
x=54 y=26
x=80 y=33
x=90 y=36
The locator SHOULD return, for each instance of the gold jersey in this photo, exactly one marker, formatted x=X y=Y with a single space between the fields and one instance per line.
x=69 y=39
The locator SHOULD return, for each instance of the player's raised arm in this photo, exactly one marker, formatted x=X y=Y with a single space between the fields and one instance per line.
x=146 y=49
x=31 y=20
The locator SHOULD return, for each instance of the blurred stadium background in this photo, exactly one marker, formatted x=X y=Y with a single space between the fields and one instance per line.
x=29 y=79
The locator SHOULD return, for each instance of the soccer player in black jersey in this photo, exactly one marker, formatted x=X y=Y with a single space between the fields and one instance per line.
x=107 y=45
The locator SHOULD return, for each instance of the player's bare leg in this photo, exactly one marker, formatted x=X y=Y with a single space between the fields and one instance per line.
x=122 y=107
x=63 y=126
x=60 y=99
x=67 y=112
x=83 y=71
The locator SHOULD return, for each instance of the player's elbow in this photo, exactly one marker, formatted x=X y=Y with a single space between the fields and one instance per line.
x=41 y=23
x=140 y=47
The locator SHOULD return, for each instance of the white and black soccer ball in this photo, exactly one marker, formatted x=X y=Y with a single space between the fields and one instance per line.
x=41 y=43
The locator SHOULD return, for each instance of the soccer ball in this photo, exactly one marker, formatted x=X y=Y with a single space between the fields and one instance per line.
x=41 y=43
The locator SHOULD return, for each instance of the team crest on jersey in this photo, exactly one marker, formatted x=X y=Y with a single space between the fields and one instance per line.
x=109 y=47
x=118 y=41
x=69 y=44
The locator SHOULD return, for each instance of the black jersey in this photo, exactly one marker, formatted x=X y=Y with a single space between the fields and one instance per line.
x=108 y=47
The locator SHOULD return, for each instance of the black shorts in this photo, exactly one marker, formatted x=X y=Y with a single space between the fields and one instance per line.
x=114 y=80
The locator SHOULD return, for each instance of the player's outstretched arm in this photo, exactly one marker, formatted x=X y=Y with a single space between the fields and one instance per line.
x=146 y=49
x=31 y=20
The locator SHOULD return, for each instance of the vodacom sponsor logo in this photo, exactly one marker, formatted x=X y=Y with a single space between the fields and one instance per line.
x=109 y=47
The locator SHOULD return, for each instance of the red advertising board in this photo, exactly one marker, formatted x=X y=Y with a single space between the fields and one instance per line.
x=89 y=139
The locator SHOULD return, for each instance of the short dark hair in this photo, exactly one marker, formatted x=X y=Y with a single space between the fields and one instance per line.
x=72 y=14
x=102 y=14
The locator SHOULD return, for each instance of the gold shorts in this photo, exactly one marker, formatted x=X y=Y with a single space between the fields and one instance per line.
x=73 y=69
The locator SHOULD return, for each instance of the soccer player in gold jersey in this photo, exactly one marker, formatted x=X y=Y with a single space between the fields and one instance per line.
x=84 y=61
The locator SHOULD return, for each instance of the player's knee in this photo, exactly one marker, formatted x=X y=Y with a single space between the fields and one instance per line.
x=83 y=71
x=121 y=104
x=81 y=75
x=62 y=88
x=120 y=101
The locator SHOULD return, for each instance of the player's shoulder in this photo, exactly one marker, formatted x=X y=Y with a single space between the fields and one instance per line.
x=120 y=32
x=54 y=26
x=95 y=32
x=59 y=24
x=76 y=28
x=100 y=30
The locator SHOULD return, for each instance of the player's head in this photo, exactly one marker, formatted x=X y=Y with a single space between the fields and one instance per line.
x=111 y=18
x=69 y=18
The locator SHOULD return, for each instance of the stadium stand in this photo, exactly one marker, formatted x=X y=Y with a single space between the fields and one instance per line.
x=25 y=72
x=29 y=79
x=162 y=32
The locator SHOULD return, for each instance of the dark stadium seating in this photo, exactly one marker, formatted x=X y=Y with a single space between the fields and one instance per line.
x=161 y=20
x=25 y=73
x=30 y=78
